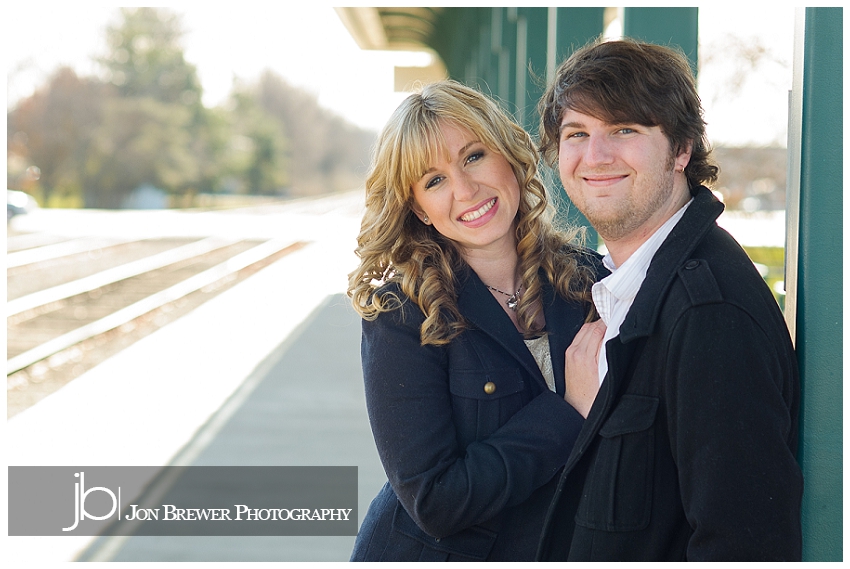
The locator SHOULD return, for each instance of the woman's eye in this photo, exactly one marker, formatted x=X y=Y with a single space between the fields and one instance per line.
x=433 y=182
x=474 y=157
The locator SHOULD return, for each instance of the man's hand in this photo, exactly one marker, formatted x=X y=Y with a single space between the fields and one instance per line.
x=582 y=367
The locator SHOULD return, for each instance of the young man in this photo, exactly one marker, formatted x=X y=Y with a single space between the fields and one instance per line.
x=688 y=452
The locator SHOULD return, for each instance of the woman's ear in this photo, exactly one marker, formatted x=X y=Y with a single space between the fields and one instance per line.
x=417 y=211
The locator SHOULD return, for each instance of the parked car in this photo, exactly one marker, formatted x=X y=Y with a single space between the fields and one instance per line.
x=18 y=203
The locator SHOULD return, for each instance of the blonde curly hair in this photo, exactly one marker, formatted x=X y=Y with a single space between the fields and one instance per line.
x=394 y=246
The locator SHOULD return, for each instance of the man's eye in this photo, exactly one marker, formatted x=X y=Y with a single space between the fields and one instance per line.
x=569 y=135
x=626 y=130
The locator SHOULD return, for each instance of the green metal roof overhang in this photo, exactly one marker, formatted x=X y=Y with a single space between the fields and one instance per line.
x=398 y=29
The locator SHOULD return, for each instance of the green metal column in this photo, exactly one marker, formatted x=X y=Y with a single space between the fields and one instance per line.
x=815 y=247
x=664 y=26
x=455 y=39
x=531 y=69
x=507 y=83
x=486 y=62
x=494 y=44
x=576 y=27
x=573 y=28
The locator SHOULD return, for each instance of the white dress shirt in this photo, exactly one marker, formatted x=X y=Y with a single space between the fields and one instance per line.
x=613 y=295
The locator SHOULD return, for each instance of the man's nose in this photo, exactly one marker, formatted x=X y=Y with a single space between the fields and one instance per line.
x=598 y=151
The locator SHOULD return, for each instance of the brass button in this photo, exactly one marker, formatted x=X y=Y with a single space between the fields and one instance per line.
x=489 y=388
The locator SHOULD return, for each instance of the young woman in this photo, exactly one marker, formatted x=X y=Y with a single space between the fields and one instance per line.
x=469 y=299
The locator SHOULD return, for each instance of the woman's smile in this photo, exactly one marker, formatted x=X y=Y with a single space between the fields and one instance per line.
x=471 y=216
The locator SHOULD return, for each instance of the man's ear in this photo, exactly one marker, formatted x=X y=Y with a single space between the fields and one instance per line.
x=683 y=159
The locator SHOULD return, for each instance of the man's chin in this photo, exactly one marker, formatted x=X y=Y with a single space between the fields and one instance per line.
x=612 y=228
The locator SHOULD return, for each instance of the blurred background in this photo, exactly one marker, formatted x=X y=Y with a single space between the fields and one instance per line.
x=188 y=106
x=112 y=108
x=129 y=108
x=185 y=190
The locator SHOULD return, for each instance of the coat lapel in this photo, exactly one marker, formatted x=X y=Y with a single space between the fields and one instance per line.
x=563 y=321
x=478 y=306
x=699 y=218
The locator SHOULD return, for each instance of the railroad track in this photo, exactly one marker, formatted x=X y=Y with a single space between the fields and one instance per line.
x=74 y=302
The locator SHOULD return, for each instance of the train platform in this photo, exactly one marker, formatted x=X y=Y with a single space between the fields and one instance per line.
x=266 y=373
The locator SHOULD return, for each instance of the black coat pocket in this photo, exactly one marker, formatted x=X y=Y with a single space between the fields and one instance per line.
x=491 y=397
x=617 y=493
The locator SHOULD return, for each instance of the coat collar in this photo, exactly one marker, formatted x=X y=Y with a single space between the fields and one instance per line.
x=676 y=249
x=478 y=306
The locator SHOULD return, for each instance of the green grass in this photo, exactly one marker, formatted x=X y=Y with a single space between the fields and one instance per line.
x=774 y=259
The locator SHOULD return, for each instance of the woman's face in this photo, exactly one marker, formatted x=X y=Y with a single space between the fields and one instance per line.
x=469 y=194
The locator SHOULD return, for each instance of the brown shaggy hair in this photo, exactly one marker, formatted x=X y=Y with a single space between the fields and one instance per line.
x=630 y=82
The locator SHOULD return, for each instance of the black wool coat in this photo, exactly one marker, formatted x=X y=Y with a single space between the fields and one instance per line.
x=470 y=436
x=689 y=450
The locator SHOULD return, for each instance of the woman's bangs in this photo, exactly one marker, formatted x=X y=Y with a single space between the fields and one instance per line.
x=420 y=149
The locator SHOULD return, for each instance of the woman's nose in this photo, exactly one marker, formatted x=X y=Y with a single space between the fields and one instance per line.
x=464 y=187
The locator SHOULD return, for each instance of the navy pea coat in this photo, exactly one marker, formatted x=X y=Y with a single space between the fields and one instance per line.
x=470 y=436
x=688 y=452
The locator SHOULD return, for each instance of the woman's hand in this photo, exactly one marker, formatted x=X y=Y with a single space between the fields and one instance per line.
x=582 y=367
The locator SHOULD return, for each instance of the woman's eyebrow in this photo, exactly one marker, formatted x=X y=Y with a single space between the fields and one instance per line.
x=466 y=147
x=459 y=153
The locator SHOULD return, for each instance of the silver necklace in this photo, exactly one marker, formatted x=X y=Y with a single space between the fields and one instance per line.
x=513 y=299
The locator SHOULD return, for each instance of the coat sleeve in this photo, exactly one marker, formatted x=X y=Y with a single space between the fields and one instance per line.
x=446 y=488
x=732 y=435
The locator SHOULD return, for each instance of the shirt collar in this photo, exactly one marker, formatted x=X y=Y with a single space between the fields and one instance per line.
x=624 y=281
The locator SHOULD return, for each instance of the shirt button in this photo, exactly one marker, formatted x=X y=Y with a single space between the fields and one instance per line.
x=692 y=264
x=489 y=388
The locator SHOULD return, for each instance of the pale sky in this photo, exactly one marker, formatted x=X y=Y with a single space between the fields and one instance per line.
x=309 y=47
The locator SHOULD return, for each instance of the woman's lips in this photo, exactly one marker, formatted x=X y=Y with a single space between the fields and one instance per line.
x=478 y=212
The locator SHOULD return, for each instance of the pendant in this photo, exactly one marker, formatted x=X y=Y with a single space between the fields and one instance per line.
x=513 y=299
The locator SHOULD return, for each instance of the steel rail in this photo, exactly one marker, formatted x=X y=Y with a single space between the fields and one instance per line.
x=114 y=274
x=147 y=304
x=63 y=249
x=27 y=240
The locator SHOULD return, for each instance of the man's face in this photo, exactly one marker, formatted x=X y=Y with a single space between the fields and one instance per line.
x=622 y=177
